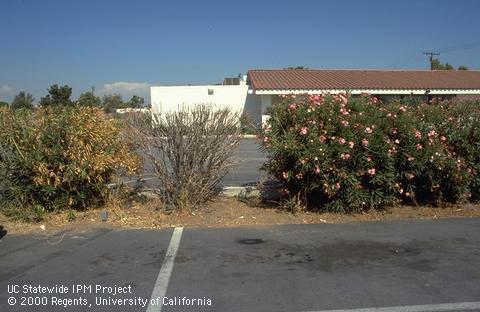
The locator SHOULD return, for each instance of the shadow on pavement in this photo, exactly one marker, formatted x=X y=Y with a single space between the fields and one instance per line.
x=3 y=232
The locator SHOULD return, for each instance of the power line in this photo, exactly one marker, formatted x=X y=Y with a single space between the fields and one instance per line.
x=431 y=55
x=448 y=49
x=461 y=47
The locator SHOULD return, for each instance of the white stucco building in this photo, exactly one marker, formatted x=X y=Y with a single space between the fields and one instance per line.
x=233 y=93
x=254 y=93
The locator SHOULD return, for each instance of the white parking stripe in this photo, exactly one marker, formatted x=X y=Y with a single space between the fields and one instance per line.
x=459 y=306
x=161 y=285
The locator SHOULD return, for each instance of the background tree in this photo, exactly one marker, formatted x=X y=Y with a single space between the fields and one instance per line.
x=437 y=65
x=298 y=67
x=111 y=102
x=3 y=104
x=23 y=100
x=57 y=96
x=89 y=99
x=136 y=101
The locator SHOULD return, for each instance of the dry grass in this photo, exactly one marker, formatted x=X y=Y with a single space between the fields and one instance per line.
x=223 y=212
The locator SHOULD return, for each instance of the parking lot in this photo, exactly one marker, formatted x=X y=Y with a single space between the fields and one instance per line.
x=422 y=265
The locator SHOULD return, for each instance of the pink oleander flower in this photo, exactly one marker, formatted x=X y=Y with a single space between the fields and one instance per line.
x=417 y=133
x=292 y=106
x=345 y=156
x=344 y=123
x=322 y=138
x=344 y=111
x=371 y=171
x=419 y=147
x=369 y=159
x=342 y=98
x=351 y=144
x=443 y=138
x=397 y=141
x=432 y=133
x=316 y=99
x=285 y=175
x=317 y=170
x=365 y=142
x=403 y=109
x=304 y=130
x=368 y=130
x=341 y=141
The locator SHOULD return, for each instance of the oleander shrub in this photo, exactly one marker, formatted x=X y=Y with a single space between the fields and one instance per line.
x=190 y=150
x=347 y=153
x=59 y=158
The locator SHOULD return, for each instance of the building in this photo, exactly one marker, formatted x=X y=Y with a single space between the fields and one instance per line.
x=233 y=93
x=254 y=93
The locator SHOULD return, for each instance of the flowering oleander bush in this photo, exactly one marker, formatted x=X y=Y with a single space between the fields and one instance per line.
x=58 y=158
x=348 y=153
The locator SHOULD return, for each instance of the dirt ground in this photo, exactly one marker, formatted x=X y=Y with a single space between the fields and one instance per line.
x=223 y=212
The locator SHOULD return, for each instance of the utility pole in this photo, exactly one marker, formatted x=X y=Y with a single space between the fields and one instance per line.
x=431 y=55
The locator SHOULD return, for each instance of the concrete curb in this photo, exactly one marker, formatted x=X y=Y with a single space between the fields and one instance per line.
x=268 y=190
x=240 y=191
x=249 y=136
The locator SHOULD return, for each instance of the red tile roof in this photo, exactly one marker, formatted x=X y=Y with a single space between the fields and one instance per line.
x=291 y=79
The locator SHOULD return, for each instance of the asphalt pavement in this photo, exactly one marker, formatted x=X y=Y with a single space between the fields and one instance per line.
x=414 y=265
x=249 y=159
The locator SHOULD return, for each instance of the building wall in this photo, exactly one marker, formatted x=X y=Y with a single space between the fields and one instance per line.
x=266 y=103
x=171 y=98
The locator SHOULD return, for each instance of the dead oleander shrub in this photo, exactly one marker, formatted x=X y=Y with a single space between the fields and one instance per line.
x=190 y=150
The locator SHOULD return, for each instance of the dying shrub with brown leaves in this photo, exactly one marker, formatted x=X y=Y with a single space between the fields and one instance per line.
x=59 y=158
x=190 y=150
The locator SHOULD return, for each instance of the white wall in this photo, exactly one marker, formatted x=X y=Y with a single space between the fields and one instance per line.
x=170 y=98
x=266 y=101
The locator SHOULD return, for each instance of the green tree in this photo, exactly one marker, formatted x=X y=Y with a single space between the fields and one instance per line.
x=89 y=99
x=23 y=100
x=437 y=65
x=57 y=96
x=3 y=104
x=111 y=102
x=136 y=101
x=298 y=67
x=449 y=67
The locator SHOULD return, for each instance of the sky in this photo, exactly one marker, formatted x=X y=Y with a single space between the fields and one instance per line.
x=125 y=47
